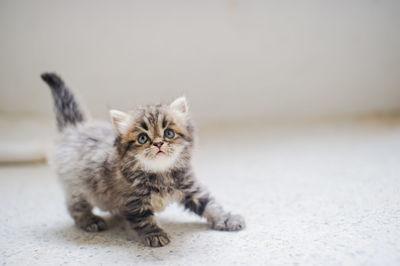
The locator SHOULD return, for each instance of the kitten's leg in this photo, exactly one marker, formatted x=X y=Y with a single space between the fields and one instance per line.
x=140 y=217
x=81 y=211
x=199 y=201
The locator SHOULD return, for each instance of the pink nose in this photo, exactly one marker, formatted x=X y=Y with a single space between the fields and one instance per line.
x=158 y=144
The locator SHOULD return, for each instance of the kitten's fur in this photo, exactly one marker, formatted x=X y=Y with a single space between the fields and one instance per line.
x=104 y=165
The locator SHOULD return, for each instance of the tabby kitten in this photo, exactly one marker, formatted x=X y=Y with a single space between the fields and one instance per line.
x=132 y=168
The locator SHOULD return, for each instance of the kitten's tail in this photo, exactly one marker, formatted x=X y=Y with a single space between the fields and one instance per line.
x=66 y=108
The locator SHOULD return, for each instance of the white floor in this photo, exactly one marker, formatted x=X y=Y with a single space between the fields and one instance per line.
x=324 y=194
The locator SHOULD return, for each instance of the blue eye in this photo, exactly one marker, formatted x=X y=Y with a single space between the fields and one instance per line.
x=169 y=133
x=143 y=138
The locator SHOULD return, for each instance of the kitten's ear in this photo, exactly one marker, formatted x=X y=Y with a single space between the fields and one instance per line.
x=180 y=105
x=120 y=120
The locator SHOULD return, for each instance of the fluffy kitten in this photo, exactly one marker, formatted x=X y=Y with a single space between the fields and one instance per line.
x=132 y=168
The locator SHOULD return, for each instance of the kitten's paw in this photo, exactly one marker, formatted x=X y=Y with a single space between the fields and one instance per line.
x=229 y=222
x=157 y=239
x=93 y=224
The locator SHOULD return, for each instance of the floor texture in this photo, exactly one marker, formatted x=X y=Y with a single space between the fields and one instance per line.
x=323 y=194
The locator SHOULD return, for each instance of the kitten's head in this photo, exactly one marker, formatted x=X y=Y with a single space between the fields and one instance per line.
x=155 y=138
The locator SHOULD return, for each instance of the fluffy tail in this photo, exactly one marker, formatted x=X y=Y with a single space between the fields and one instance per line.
x=66 y=108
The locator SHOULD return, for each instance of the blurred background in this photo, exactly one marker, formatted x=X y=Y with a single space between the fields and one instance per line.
x=236 y=61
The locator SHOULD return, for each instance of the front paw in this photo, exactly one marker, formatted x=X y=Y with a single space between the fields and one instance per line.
x=229 y=222
x=156 y=239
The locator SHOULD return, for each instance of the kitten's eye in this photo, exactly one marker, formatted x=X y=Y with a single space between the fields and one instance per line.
x=143 y=138
x=169 y=133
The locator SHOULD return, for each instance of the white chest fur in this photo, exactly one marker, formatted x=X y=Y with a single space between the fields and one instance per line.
x=160 y=201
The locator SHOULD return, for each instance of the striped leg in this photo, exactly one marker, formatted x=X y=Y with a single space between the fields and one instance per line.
x=141 y=218
x=198 y=201
x=81 y=211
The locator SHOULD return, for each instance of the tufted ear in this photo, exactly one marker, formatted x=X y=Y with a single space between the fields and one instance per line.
x=180 y=105
x=120 y=120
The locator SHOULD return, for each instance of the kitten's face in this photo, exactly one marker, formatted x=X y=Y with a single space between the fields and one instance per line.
x=156 y=137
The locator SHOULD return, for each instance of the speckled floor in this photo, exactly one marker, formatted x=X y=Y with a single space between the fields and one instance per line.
x=326 y=194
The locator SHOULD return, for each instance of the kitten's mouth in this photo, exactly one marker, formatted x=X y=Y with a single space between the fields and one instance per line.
x=160 y=152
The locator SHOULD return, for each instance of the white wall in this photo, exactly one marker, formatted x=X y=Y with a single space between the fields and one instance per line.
x=233 y=59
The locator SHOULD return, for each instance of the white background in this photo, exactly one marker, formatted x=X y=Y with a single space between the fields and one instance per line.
x=234 y=60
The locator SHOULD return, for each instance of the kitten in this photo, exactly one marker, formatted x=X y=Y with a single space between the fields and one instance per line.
x=133 y=167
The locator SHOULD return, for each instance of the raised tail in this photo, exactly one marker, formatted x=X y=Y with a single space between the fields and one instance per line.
x=66 y=108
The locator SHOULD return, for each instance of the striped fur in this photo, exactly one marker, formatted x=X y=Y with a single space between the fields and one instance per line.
x=104 y=165
x=67 y=110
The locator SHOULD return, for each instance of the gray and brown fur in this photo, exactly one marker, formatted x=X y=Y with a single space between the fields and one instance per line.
x=104 y=165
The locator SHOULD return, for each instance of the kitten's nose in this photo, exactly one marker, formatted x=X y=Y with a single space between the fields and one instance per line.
x=158 y=144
